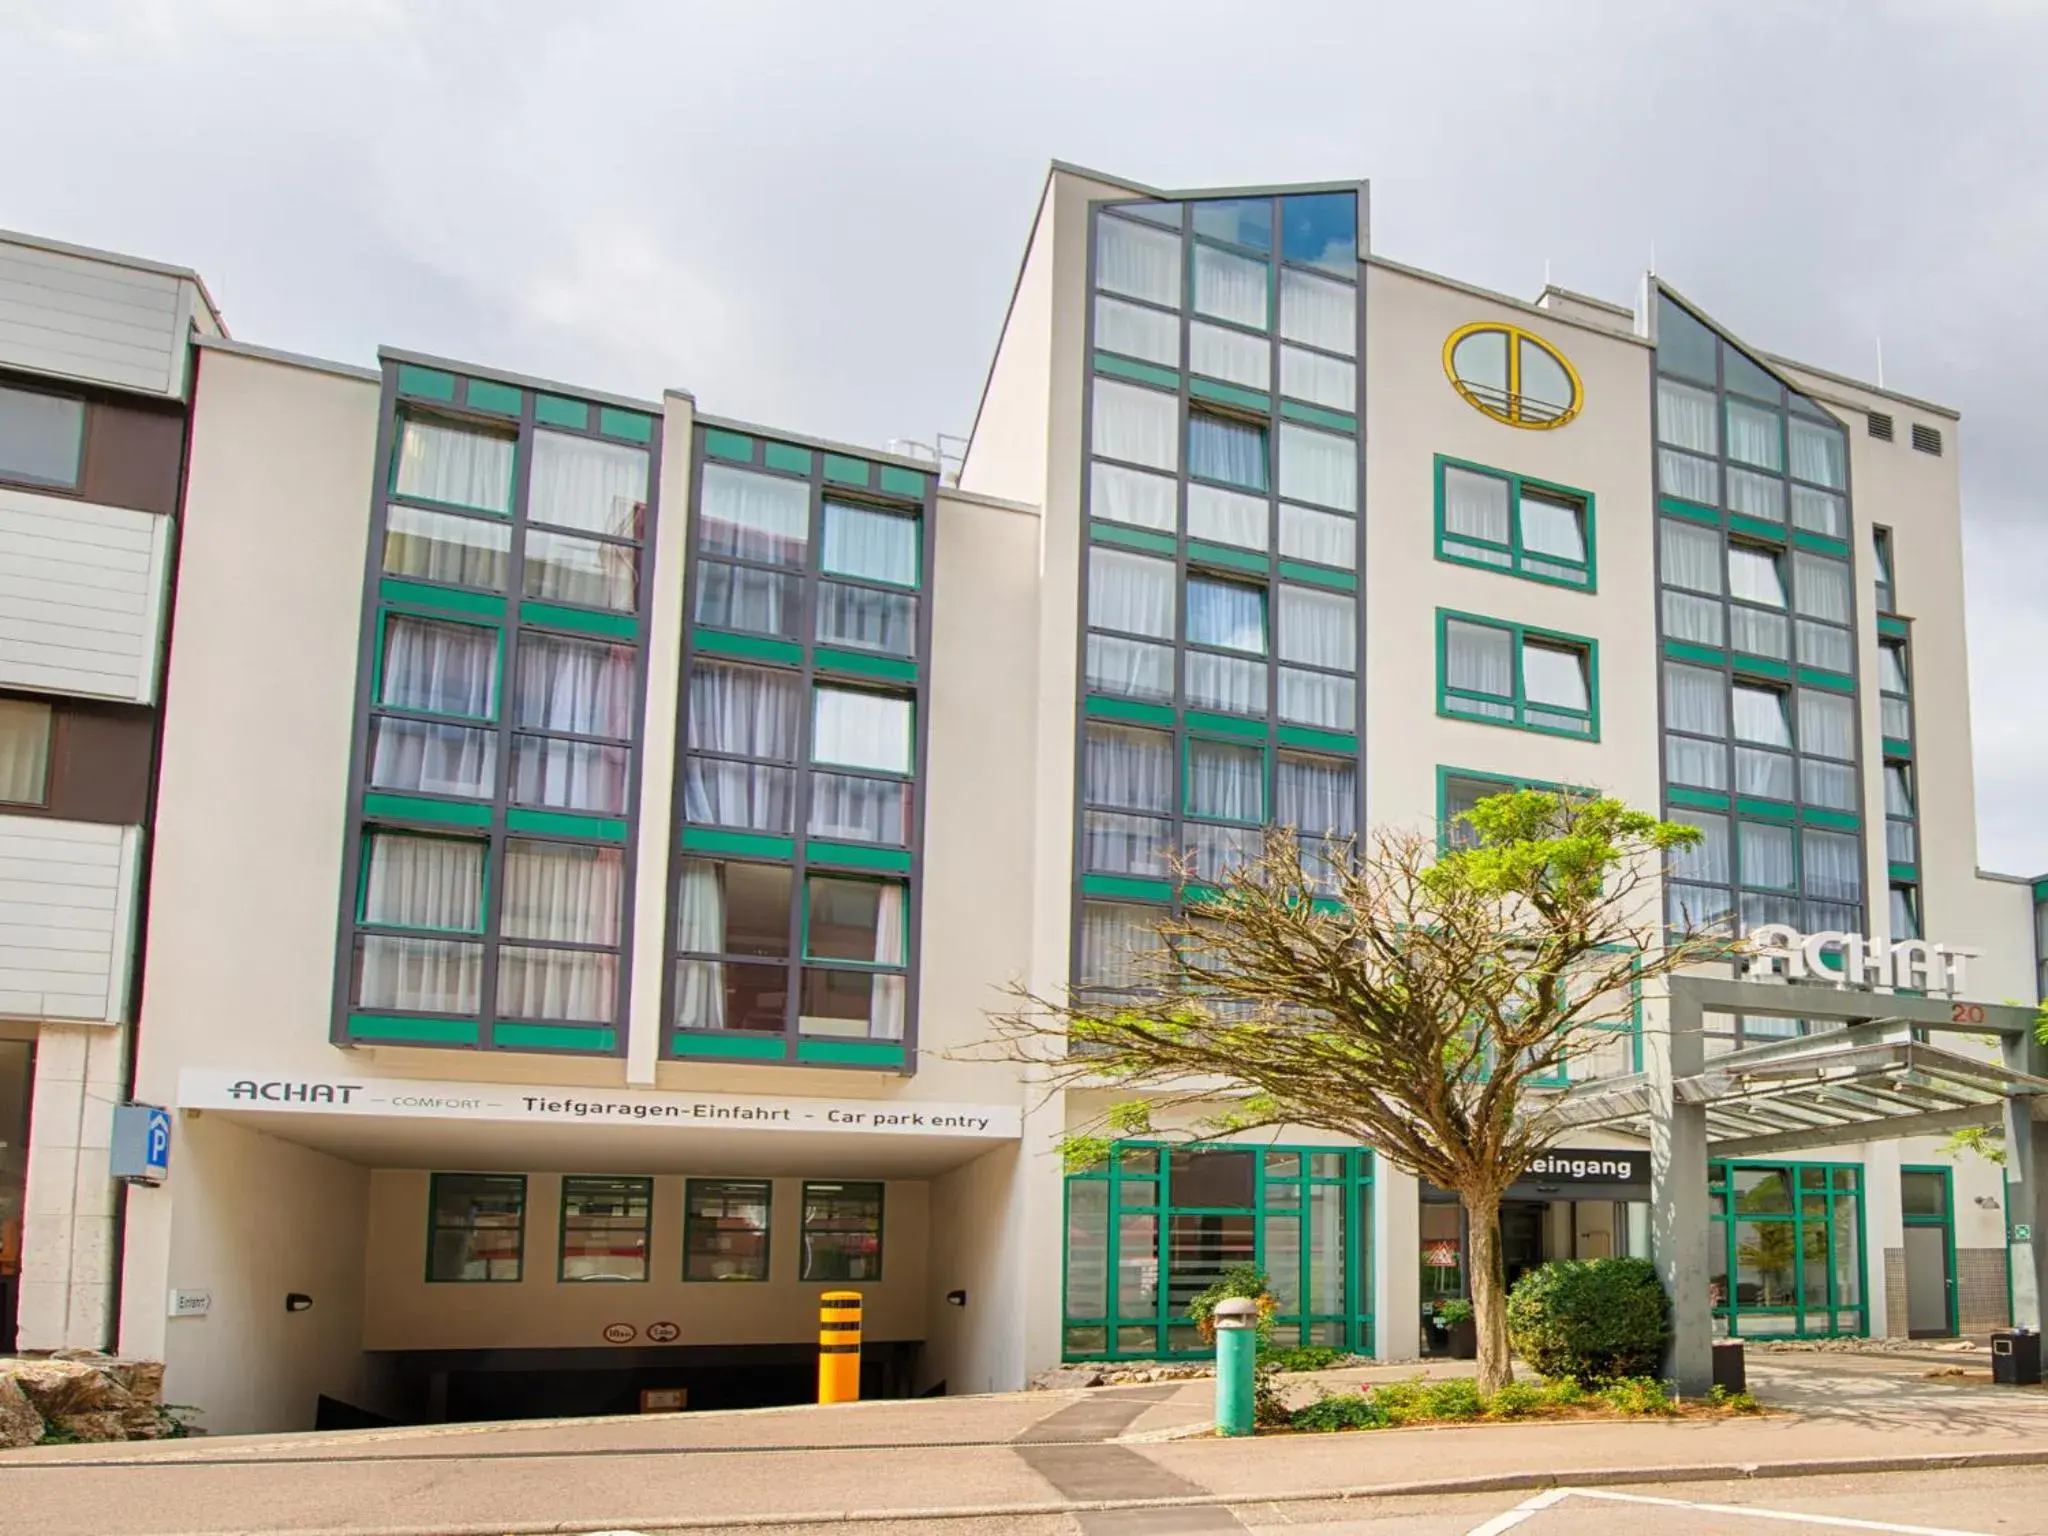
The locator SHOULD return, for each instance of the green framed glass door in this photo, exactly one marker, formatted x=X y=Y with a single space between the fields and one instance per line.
x=1787 y=1255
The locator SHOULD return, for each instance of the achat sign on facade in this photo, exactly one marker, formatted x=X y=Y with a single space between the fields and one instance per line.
x=1856 y=960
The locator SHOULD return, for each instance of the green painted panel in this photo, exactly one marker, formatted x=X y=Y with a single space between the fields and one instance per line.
x=554 y=411
x=488 y=395
x=1144 y=373
x=748 y=1047
x=1126 y=888
x=633 y=426
x=426 y=383
x=586 y=620
x=1820 y=542
x=1691 y=509
x=1680 y=650
x=1230 y=394
x=753 y=647
x=1764 y=810
x=1295 y=411
x=385 y=1026
x=1134 y=538
x=1764 y=666
x=1704 y=799
x=858 y=856
x=1756 y=528
x=1903 y=871
x=1226 y=725
x=788 y=458
x=850 y=1053
x=1321 y=741
x=447 y=813
x=760 y=845
x=1813 y=677
x=736 y=446
x=1224 y=555
x=602 y=829
x=425 y=595
x=898 y=481
x=1294 y=570
x=862 y=664
x=1841 y=821
x=846 y=470
x=1888 y=624
x=1138 y=713
x=1893 y=747
x=555 y=1037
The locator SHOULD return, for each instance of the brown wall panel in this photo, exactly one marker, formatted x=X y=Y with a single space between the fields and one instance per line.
x=99 y=763
x=133 y=457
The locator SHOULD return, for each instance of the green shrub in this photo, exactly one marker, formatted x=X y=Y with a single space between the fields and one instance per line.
x=1458 y=1399
x=1639 y=1395
x=1403 y=1402
x=1734 y=1402
x=1303 y=1357
x=1349 y=1410
x=1245 y=1282
x=1516 y=1400
x=1269 y=1403
x=1590 y=1320
x=1563 y=1393
x=1453 y=1312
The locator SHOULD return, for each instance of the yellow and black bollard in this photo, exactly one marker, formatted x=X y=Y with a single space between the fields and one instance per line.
x=839 y=1347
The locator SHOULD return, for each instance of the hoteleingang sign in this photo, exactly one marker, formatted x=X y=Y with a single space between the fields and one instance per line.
x=1778 y=950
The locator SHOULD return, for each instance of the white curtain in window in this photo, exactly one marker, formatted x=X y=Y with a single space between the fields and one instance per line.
x=1823 y=645
x=578 y=984
x=1322 y=537
x=570 y=775
x=440 y=668
x=1329 y=381
x=1753 y=576
x=1317 y=796
x=858 y=810
x=1702 y=764
x=580 y=482
x=1820 y=511
x=1695 y=700
x=1551 y=528
x=1555 y=676
x=1697 y=619
x=1758 y=772
x=1136 y=331
x=1129 y=769
x=742 y=597
x=1137 y=259
x=424 y=882
x=1114 y=937
x=1131 y=496
x=1226 y=782
x=446 y=464
x=1895 y=717
x=745 y=711
x=433 y=759
x=583 y=571
x=1767 y=856
x=1756 y=495
x=700 y=930
x=1222 y=613
x=1479 y=658
x=1905 y=917
x=582 y=687
x=1707 y=861
x=1827 y=724
x=436 y=546
x=1828 y=784
x=1231 y=287
x=1318 y=698
x=1829 y=868
x=1820 y=586
x=858 y=729
x=1227 y=517
x=561 y=891
x=24 y=750
x=1226 y=682
x=1898 y=790
x=870 y=544
x=1117 y=843
x=1475 y=506
x=1318 y=467
x=868 y=618
x=1757 y=633
x=1319 y=629
x=1689 y=478
x=1759 y=715
x=1819 y=453
x=1220 y=353
x=1319 y=312
x=1753 y=435
x=1685 y=417
x=1138 y=425
x=1132 y=593
x=885 y=1007
x=419 y=975
x=1891 y=668
x=1132 y=668
x=754 y=517
x=1231 y=451
x=1692 y=556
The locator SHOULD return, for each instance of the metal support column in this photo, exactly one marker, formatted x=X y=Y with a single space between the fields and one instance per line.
x=2026 y=1190
x=1679 y=1225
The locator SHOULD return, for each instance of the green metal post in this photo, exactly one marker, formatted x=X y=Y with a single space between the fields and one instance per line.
x=1237 y=1363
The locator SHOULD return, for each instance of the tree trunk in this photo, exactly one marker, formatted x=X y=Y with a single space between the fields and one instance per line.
x=1489 y=1288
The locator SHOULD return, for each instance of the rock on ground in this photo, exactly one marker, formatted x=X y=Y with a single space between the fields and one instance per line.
x=80 y=1395
x=20 y=1424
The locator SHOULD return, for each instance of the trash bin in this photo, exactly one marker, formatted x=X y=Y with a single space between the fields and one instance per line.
x=1730 y=1375
x=2016 y=1357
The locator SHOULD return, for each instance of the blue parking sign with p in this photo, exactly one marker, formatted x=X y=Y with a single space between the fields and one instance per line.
x=141 y=1150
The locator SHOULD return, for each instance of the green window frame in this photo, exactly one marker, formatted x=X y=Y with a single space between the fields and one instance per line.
x=1515 y=709
x=1782 y=1241
x=1492 y=784
x=709 y=1205
x=605 y=1209
x=456 y=1240
x=374 y=833
x=1120 y=1217
x=842 y=1232
x=1511 y=557
x=1944 y=1221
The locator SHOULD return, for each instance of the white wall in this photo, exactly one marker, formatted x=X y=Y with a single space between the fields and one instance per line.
x=978 y=1226
x=67 y=918
x=69 y=1205
x=81 y=315
x=81 y=597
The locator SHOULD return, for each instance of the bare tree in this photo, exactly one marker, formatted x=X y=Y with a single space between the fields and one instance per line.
x=1415 y=999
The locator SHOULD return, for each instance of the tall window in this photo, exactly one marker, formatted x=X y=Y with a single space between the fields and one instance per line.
x=1512 y=523
x=497 y=757
x=725 y=1229
x=1901 y=785
x=478 y=1226
x=1506 y=674
x=1881 y=563
x=605 y=1227
x=24 y=751
x=842 y=1232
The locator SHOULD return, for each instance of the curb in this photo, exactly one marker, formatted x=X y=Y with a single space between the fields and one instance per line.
x=1499 y=1482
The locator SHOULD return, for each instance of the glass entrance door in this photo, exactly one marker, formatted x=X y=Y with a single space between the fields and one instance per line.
x=1926 y=1195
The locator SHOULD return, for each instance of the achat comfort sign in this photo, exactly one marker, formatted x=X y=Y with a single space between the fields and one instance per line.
x=527 y=1104
x=1855 y=960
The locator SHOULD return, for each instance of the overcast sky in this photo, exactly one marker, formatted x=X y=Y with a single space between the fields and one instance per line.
x=810 y=214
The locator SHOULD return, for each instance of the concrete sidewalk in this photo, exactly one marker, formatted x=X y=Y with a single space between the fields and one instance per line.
x=1021 y=1454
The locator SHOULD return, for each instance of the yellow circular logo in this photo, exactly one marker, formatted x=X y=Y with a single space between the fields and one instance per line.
x=1513 y=375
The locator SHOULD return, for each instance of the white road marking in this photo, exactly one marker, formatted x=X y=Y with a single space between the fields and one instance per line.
x=1551 y=1498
